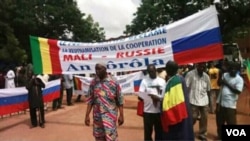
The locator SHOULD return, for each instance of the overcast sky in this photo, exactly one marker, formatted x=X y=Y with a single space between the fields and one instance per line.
x=112 y=15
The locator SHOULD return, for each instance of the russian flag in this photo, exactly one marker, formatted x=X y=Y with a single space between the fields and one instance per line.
x=193 y=39
x=13 y=100
x=137 y=84
x=196 y=38
x=52 y=90
x=16 y=99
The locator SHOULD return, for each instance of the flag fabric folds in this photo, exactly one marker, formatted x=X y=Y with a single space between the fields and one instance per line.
x=173 y=106
x=193 y=39
x=16 y=99
x=137 y=84
x=77 y=83
x=45 y=56
x=247 y=72
x=129 y=83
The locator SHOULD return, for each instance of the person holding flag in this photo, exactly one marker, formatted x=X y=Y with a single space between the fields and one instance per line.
x=34 y=86
x=247 y=74
x=176 y=117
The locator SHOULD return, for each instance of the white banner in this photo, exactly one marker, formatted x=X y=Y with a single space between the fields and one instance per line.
x=193 y=39
x=129 y=83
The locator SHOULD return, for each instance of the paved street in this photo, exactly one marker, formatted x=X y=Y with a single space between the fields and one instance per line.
x=68 y=124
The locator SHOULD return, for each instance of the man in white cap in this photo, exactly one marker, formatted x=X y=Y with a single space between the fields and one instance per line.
x=105 y=97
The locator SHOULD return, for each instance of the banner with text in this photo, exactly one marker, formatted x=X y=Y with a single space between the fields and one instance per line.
x=195 y=38
x=129 y=83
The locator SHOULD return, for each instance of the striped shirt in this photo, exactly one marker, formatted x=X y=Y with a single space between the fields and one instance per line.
x=105 y=96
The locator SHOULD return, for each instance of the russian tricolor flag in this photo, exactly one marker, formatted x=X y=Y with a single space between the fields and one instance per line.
x=16 y=99
x=52 y=90
x=196 y=38
x=137 y=84
x=13 y=100
x=193 y=39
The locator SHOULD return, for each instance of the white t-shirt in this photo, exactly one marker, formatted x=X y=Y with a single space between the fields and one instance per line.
x=10 y=79
x=148 y=86
x=68 y=81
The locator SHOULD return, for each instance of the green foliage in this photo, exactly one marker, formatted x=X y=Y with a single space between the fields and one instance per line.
x=233 y=15
x=154 y=13
x=9 y=49
x=234 y=19
x=56 y=19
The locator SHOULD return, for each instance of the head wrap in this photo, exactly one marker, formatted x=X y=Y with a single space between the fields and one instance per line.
x=103 y=64
x=41 y=78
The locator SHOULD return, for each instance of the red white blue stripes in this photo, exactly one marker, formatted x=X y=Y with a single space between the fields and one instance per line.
x=16 y=99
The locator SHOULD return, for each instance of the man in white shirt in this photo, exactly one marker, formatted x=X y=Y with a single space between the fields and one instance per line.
x=198 y=83
x=150 y=88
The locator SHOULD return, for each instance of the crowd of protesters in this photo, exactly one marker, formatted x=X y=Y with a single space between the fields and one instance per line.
x=213 y=88
x=207 y=87
x=12 y=76
x=23 y=76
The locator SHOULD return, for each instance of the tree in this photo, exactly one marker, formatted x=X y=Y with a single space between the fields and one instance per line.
x=9 y=44
x=234 y=19
x=54 y=19
x=234 y=15
x=155 y=13
x=92 y=34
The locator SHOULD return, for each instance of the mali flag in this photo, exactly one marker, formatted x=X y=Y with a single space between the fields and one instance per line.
x=247 y=77
x=45 y=55
x=77 y=83
x=174 y=109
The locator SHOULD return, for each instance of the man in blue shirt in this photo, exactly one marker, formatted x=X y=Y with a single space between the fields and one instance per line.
x=231 y=86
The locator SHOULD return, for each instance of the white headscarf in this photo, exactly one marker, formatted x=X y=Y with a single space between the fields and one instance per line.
x=41 y=78
x=103 y=64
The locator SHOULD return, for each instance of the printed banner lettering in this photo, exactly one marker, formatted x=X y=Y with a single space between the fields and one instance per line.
x=129 y=83
x=193 y=39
